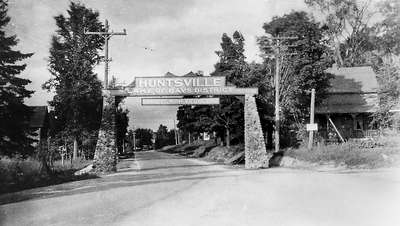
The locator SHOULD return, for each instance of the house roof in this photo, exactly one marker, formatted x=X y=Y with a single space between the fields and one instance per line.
x=353 y=90
x=169 y=74
x=348 y=103
x=353 y=80
x=190 y=74
x=38 y=117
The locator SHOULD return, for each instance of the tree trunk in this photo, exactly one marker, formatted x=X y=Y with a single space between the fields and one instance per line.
x=228 y=138
x=75 y=153
x=339 y=59
x=43 y=155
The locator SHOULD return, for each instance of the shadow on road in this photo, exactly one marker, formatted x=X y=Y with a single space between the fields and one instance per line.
x=104 y=184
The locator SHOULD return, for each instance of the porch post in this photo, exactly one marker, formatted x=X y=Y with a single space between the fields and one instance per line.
x=105 y=157
x=354 y=129
x=254 y=145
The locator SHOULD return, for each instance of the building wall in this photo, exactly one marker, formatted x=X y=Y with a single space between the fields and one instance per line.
x=348 y=125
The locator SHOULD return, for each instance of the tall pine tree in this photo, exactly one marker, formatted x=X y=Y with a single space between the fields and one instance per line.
x=14 y=114
x=229 y=115
x=73 y=56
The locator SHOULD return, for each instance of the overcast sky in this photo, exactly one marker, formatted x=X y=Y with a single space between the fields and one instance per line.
x=184 y=36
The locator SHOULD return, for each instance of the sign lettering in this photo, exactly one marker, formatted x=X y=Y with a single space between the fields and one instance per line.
x=180 y=101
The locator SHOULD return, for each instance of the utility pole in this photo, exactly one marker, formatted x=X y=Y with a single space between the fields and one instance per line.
x=311 y=135
x=134 y=139
x=176 y=134
x=277 y=49
x=106 y=35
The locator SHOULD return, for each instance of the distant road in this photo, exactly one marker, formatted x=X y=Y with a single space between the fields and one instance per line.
x=163 y=189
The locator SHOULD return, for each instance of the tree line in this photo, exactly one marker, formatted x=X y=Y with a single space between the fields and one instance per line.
x=77 y=103
x=346 y=36
x=351 y=33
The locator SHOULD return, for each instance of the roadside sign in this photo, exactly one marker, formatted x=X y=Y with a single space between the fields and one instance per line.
x=180 y=101
x=312 y=127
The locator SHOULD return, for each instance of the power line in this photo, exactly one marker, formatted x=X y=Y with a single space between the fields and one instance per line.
x=106 y=35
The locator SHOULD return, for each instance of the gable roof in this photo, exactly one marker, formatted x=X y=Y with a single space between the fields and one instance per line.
x=38 y=117
x=190 y=74
x=348 y=103
x=169 y=74
x=353 y=80
x=353 y=90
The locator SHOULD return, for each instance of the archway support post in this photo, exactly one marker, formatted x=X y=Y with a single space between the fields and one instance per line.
x=105 y=157
x=256 y=155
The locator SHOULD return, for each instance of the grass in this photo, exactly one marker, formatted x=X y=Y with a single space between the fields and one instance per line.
x=17 y=174
x=382 y=152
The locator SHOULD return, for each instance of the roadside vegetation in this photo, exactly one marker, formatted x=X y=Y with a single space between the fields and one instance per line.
x=18 y=174
x=366 y=154
x=376 y=154
x=344 y=35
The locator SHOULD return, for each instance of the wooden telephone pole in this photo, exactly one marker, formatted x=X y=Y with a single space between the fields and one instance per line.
x=277 y=47
x=312 y=109
x=106 y=35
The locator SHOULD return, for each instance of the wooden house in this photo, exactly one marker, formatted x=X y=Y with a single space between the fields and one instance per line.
x=346 y=112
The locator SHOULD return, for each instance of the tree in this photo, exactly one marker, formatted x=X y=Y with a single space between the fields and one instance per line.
x=387 y=61
x=300 y=72
x=73 y=56
x=348 y=31
x=228 y=117
x=143 y=137
x=163 y=137
x=388 y=29
x=14 y=114
x=194 y=119
x=388 y=71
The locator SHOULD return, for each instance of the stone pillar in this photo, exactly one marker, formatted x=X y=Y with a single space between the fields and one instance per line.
x=254 y=145
x=105 y=156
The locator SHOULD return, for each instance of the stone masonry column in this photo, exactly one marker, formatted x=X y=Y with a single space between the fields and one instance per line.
x=105 y=156
x=254 y=144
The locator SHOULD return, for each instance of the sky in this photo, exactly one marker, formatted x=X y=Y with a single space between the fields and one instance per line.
x=183 y=36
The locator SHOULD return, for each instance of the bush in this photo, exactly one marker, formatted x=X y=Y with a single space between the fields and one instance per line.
x=352 y=154
x=18 y=174
x=223 y=153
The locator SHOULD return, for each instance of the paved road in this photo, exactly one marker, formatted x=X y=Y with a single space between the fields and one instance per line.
x=163 y=189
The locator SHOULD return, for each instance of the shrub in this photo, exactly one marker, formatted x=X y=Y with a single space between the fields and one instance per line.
x=18 y=174
x=352 y=154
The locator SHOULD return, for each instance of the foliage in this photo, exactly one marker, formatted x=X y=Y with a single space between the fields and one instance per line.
x=388 y=71
x=143 y=137
x=14 y=114
x=164 y=137
x=352 y=155
x=386 y=61
x=73 y=56
x=299 y=73
x=348 y=31
x=17 y=174
x=388 y=29
x=227 y=118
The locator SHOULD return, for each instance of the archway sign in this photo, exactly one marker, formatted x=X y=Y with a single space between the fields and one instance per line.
x=105 y=158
